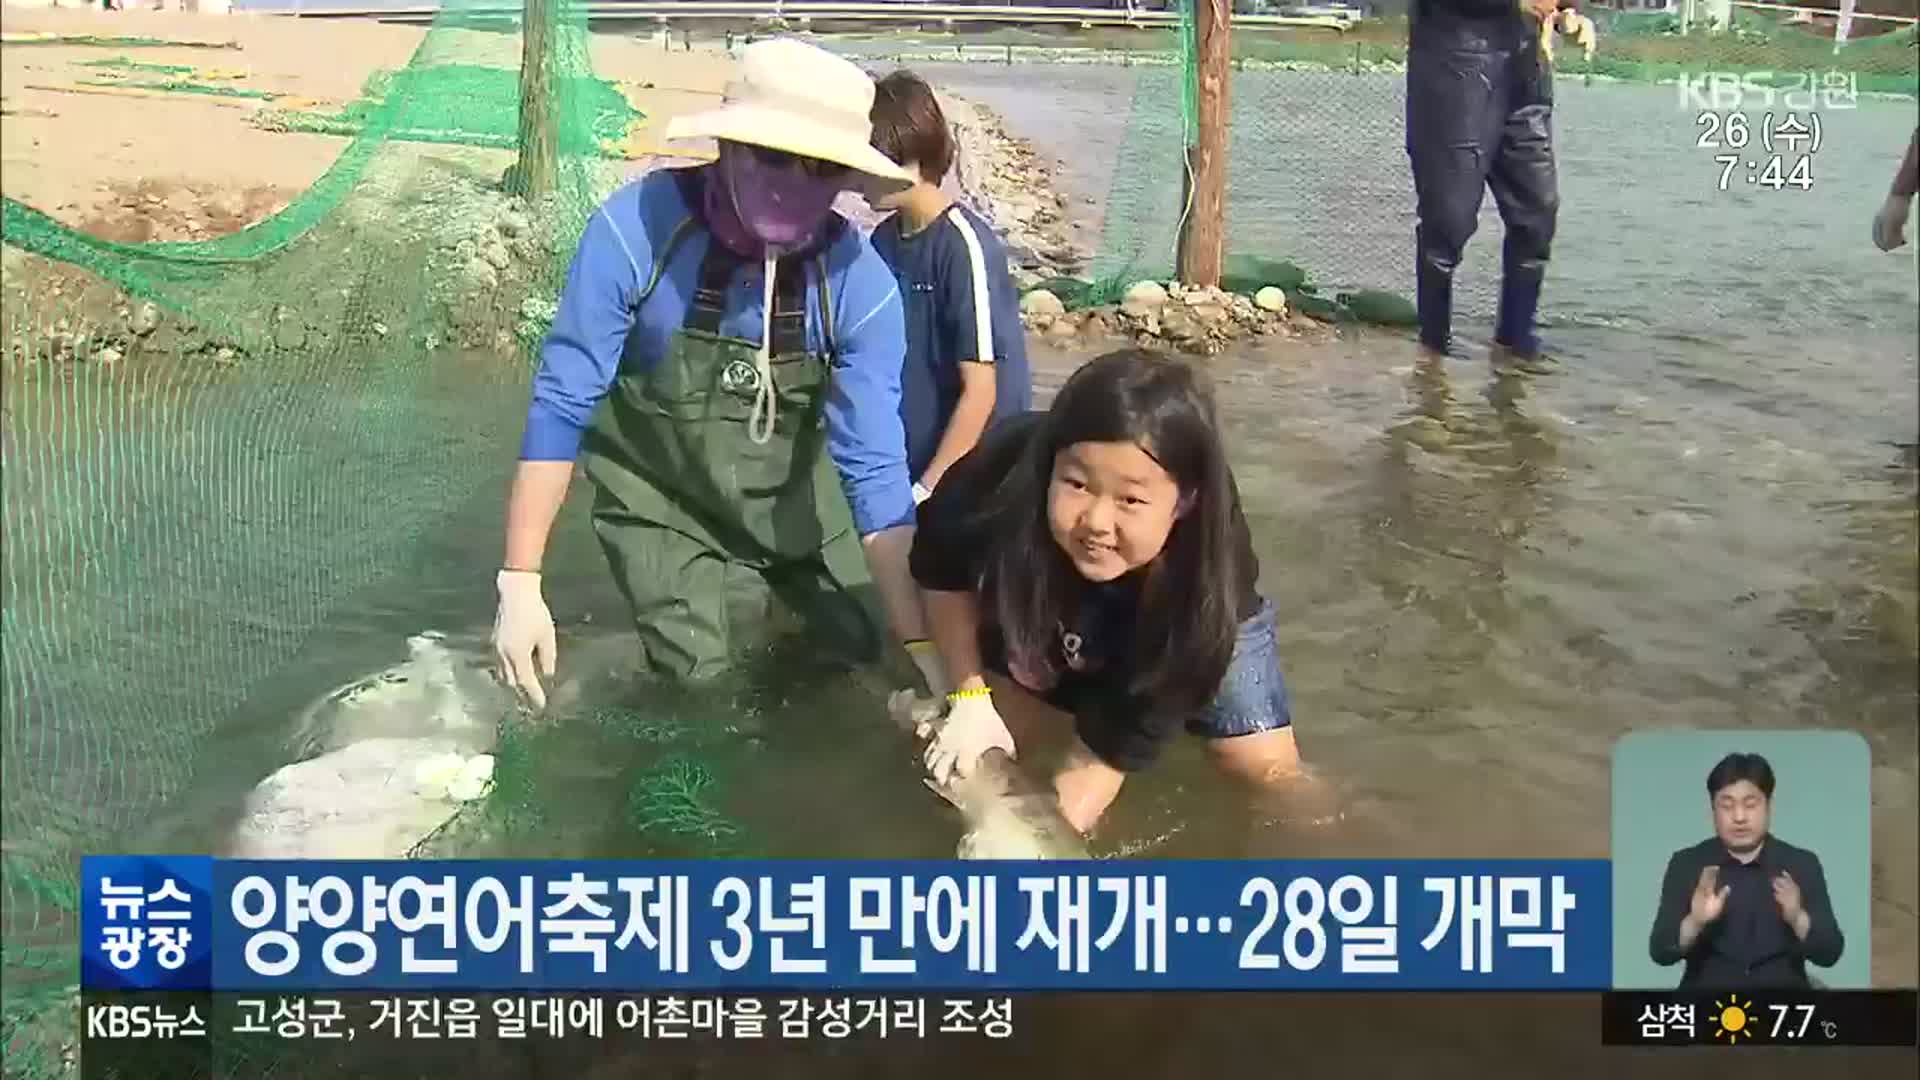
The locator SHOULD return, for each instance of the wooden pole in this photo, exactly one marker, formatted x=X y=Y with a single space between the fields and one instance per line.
x=537 y=171
x=1203 y=236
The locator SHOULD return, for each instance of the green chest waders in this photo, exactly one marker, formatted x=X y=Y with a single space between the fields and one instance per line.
x=697 y=518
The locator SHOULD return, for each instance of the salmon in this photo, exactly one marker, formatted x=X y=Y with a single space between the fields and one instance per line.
x=1006 y=814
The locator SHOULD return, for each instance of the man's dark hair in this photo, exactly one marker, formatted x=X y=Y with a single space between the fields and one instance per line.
x=1737 y=767
x=908 y=125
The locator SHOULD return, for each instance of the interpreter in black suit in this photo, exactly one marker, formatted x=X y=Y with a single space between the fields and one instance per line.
x=1745 y=909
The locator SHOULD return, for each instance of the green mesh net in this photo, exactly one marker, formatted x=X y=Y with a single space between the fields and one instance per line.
x=211 y=448
x=442 y=110
x=1309 y=102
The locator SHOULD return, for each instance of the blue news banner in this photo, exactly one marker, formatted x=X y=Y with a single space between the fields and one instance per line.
x=192 y=967
x=190 y=923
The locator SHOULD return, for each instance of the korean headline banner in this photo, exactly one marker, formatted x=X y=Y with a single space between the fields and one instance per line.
x=204 y=924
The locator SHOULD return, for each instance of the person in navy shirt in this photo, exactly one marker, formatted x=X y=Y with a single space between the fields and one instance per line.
x=1744 y=909
x=966 y=366
x=725 y=365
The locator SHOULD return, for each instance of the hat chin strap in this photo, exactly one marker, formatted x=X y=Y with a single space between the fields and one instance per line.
x=763 y=397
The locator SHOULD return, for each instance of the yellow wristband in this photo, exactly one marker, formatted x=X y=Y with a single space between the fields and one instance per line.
x=918 y=644
x=978 y=691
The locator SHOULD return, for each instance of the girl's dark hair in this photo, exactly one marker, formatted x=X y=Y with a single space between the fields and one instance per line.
x=908 y=125
x=1188 y=615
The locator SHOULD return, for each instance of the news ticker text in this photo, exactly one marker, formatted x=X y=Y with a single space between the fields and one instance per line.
x=324 y=1017
x=1727 y=1017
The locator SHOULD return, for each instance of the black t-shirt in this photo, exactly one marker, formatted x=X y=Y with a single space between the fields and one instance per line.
x=1488 y=10
x=950 y=550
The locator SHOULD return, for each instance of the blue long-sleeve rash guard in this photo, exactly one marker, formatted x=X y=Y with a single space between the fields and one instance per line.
x=611 y=267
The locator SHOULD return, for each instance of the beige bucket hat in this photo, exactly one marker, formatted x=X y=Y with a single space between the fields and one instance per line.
x=792 y=96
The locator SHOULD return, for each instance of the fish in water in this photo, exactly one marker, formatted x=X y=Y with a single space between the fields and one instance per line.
x=384 y=761
x=452 y=688
x=389 y=758
x=441 y=691
x=1007 y=815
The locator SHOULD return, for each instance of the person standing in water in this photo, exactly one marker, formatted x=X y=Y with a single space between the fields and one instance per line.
x=1094 y=558
x=1890 y=223
x=966 y=363
x=966 y=348
x=1480 y=116
x=725 y=364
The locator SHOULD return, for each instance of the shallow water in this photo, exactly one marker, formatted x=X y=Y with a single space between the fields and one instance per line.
x=1478 y=597
x=1704 y=522
x=1709 y=521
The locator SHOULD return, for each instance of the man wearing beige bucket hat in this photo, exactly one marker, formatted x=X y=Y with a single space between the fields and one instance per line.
x=725 y=363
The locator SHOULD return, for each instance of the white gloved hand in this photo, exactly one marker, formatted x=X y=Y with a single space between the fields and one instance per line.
x=1582 y=30
x=971 y=728
x=1572 y=24
x=523 y=630
x=1890 y=223
x=932 y=671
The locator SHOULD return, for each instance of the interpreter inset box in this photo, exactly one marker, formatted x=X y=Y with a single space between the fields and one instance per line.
x=1742 y=860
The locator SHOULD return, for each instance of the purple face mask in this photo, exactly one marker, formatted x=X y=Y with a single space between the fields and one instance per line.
x=776 y=203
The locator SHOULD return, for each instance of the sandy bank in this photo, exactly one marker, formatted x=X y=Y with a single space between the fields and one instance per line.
x=85 y=144
x=82 y=152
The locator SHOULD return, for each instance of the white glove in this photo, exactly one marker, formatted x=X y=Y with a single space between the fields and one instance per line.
x=1573 y=25
x=921 y=493
x=522 y=630
x=932 y=671
x=971 y=728
x=1580 y=29
x=1890 y=223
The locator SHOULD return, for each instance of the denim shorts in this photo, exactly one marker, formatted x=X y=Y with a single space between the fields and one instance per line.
x=1253 y=696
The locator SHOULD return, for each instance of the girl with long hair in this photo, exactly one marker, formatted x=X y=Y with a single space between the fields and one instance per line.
x=1094 y=558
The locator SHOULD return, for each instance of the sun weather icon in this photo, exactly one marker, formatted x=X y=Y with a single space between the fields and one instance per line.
x=1734 y=1019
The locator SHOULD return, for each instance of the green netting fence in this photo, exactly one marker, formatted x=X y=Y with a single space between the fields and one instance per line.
x=1319 y=195
x=213 y=449
x=1317 y=125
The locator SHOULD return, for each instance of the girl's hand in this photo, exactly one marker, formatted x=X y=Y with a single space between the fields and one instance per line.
x=971 y=728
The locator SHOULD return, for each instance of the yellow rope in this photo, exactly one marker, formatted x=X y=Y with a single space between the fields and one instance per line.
x=137 y=92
